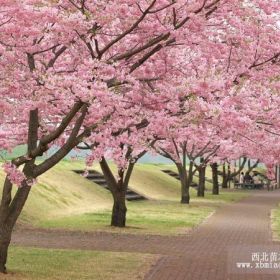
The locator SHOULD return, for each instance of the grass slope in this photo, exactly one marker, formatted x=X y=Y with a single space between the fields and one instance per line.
x=149 y=180
x=60 y=192
x=63 y=199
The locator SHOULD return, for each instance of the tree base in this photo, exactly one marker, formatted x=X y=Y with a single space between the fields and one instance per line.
x=117 y=223
x=3 y=270
x=5 y=237
x=119 y=214
x=185 y=200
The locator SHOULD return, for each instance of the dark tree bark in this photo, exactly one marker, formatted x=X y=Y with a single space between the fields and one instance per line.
x=201 y=183
x=185 y=181
x=8 y=218
x=249 y=164
x=185 y=194
x=5 y=239
x=119 y=208
x=229 y=175
x=214 y=167
x=185 y=177
x=118 y=188
x=225 y=177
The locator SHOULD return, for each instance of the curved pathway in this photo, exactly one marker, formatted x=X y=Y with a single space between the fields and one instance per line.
x=201 y=254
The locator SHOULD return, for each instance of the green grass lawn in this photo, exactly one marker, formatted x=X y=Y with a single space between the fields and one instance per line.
x=275 y=223
x=148 y=217
x=224 y=196
x=48 y=264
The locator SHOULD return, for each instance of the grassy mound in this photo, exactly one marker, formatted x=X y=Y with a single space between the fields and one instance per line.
x=63 y=199
x=60 y=192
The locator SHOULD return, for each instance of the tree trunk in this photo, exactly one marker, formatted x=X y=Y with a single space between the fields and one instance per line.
x=225 y=182
x=185 y=186
x=119 y=210
x=201 y=183
x=249 y=164
x=9 y=213
x=5 y=239
x=215 y=179
x=185 y=197
x=225 y=178
x=229 y=177
x=118 y=190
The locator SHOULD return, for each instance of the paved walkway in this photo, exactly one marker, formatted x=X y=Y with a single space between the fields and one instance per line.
x=200 y=255
x=245 y=223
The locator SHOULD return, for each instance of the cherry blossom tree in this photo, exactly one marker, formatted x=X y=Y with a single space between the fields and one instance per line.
x=73 y=70
x=124 y=150
x=59 y=60
x=65 y=67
